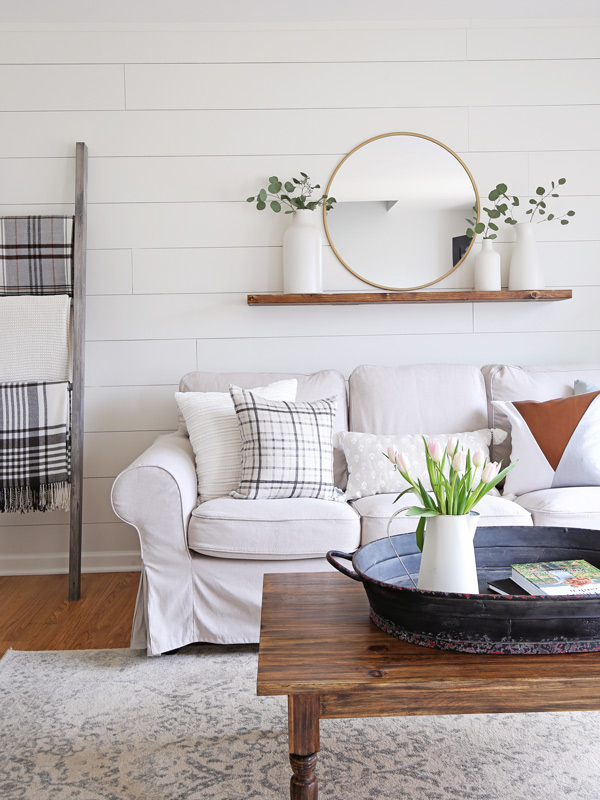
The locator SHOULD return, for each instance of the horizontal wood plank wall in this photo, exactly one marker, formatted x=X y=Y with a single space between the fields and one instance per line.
x=183 y=125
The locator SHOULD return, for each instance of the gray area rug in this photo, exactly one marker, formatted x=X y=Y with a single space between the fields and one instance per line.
x=116 y=725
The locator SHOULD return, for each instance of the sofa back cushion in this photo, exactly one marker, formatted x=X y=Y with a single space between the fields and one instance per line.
x=530 y=382
x=316 y=386
x=419 y=398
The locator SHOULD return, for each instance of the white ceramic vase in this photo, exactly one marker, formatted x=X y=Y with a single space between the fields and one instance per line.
x=525 y=265
x=302 y=255
x=487 y=275
x=448 y=559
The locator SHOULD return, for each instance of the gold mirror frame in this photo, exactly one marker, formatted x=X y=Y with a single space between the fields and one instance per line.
x=327 y=191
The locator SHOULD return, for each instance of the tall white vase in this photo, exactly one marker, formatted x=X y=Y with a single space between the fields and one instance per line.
x=302 y=255
x=487 y=275
x=448 y=560
x=526 y=270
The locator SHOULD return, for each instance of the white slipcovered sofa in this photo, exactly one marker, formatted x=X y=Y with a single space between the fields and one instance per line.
x=203 y=563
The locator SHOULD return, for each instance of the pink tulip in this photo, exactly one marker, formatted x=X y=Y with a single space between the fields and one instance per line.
x=478 y=458
x=392 y=453
x=459 y=462
x=451 y=445
x=403 y=462
x=436 y=451
x=490 y=471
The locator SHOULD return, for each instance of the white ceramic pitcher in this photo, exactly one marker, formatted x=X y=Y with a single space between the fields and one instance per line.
x=448 y=560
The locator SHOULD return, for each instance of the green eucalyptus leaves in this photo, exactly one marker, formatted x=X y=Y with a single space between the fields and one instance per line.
x=282 y=192
x=538 y=204
x=505 y=205
x=498 y=210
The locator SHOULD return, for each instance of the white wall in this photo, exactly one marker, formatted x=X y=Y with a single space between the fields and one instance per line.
x=182 y=125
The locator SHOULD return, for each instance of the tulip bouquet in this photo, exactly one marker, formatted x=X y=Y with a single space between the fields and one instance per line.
x=458 y=479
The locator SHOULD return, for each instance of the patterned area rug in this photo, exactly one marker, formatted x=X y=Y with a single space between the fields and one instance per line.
x=116 y=725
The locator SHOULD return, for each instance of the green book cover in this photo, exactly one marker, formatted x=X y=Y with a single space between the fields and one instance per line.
x=558 y=577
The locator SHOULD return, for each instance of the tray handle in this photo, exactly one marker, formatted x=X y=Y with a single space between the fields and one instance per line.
x=333 y=554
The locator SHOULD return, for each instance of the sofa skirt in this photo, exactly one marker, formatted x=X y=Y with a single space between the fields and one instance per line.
x=221 y=603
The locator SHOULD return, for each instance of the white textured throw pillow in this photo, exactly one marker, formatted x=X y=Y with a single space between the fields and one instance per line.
x=370 y=472
x=287 y=448
x=215 y=435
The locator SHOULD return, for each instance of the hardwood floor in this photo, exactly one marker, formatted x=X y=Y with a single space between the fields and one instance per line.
x=36 y=615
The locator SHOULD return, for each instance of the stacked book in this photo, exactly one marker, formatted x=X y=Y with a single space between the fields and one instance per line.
x=573 y=577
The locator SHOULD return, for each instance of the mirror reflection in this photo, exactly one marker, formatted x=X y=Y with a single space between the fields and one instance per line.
x=399 y=220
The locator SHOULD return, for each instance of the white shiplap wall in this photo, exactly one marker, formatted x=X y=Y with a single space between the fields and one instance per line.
x=182 y=125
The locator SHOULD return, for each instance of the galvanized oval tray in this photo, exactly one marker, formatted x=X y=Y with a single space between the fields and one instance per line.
x=485 y=622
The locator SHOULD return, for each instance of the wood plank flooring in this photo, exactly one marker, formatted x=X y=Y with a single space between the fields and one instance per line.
x=36 y=615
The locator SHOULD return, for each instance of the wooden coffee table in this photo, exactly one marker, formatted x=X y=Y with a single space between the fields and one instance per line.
x=319 y=647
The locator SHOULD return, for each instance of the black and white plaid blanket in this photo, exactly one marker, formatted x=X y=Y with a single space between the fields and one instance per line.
x=35 y=453
x=36 y=255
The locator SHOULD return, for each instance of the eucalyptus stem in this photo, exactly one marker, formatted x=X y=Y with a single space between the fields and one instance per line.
x=498 y=210
x=539 y=206
x=282 y=193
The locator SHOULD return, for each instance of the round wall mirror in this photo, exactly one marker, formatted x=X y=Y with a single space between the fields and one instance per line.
x=400 y=218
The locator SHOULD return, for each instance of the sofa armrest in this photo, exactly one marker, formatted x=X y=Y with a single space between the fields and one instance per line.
x=157 y=494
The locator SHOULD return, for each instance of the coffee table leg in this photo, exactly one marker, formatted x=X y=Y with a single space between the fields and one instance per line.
x=303 y=732
x=303 y=785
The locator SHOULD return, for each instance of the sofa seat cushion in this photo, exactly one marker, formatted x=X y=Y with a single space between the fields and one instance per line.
x=376 y=510
x=572 y=506
x=273 y=529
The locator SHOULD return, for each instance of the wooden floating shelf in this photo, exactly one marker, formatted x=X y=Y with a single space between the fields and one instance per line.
x=357 y=298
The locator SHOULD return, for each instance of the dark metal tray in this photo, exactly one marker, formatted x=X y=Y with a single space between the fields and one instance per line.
x=485 y=622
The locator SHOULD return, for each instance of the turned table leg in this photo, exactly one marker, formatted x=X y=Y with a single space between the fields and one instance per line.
x=303 y=732
x=303 y=785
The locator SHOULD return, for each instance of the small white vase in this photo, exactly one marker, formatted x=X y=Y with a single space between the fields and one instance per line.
x=448 y=560
x=302 y=255
x=487 y=275
x=525 y=266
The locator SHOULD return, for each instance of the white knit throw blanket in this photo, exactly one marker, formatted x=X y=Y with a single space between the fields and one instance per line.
x=35 y=338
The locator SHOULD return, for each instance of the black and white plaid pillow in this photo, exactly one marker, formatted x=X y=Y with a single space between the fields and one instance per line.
x=287 y=448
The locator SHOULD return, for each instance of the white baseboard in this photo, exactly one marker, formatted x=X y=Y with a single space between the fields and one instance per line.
x=58 y=563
